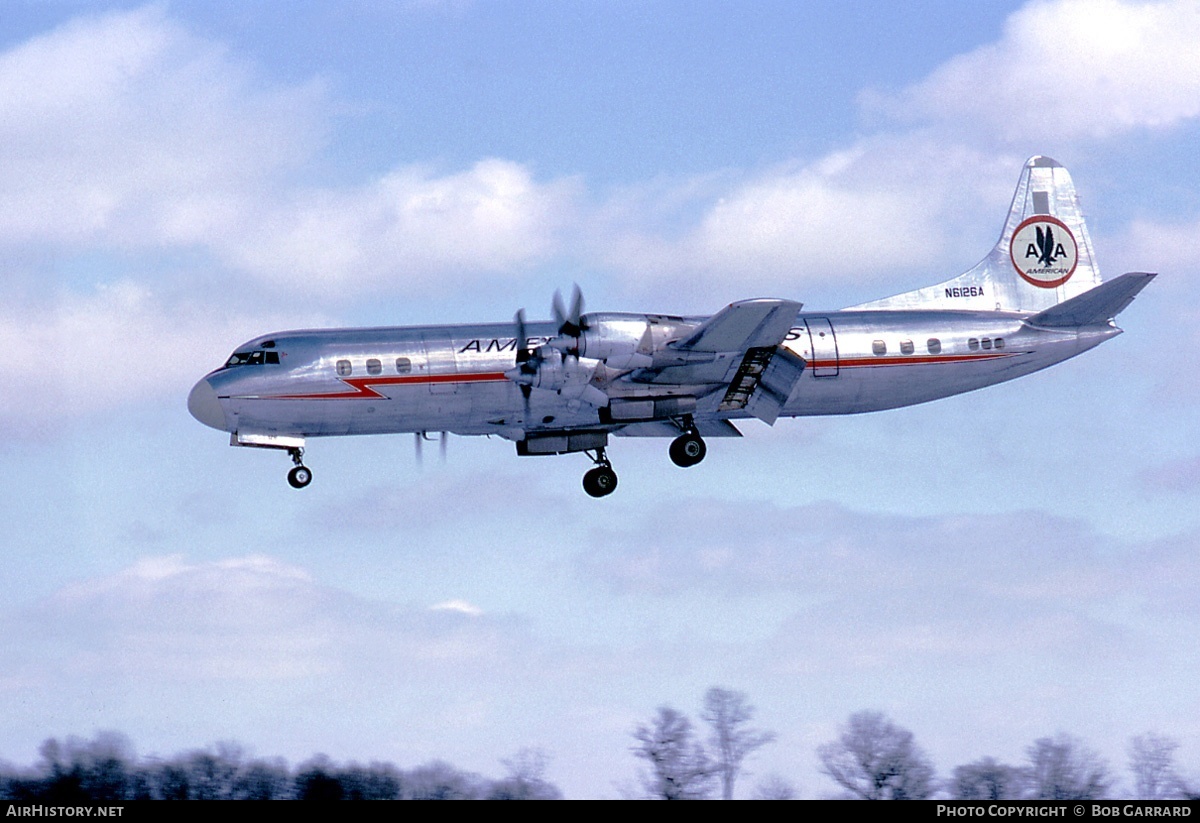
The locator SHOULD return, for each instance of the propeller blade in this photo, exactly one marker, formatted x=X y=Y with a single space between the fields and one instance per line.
x=420 y=456
x=526 y=390
x=522 y=347
x=569 y=324
x=560 y=313
x=442 y=439
x=576 y=306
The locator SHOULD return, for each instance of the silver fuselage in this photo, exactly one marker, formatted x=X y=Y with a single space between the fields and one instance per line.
x=452 y=378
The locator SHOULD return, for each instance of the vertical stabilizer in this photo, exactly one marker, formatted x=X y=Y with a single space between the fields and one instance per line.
x=1044 y=255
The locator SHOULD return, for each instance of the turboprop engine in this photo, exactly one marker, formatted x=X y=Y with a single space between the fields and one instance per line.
x=621 y=342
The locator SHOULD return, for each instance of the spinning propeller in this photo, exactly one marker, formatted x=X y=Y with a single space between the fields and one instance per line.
x=528 y=361
x=557 y=365
x=569 y=325
x=421 y=437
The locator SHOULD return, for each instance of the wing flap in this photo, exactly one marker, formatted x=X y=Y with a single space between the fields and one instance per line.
x=763 y=381
x=775 y=386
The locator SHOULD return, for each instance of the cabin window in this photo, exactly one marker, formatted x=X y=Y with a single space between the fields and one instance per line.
x=999 y=342
x=374 y=366
x=906 y=347
x=272 y=357
x=934 y=345
x=986 y=342
x=973 y=344
x=343 y=368
x=878 y=347
x=403 y=365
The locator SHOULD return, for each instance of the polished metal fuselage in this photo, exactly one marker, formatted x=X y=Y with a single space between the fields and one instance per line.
x=452 y=378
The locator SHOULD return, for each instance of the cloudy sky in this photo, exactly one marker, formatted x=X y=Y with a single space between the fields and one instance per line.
x=988 y=569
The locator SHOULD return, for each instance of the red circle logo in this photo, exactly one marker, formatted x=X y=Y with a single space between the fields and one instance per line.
x=1043 y=251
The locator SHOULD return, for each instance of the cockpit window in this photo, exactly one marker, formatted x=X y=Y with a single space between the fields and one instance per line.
x=252 y=358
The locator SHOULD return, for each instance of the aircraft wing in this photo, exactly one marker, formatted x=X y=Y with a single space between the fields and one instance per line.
x=742 y=325
x=737 y=349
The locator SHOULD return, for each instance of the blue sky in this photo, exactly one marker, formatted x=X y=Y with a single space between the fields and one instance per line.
x=987 y=569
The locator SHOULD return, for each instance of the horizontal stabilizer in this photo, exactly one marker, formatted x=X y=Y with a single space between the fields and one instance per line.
x=1098 y=305
x=743 y=325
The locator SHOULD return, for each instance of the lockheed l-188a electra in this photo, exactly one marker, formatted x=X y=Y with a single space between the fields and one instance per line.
x=567 y=385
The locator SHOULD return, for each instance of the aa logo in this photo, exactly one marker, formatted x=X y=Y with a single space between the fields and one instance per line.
x=1043 y=251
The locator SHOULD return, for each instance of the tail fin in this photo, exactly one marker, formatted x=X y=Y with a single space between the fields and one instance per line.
x=1044 y=255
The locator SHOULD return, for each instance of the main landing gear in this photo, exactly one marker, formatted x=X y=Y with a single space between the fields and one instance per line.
x=688 y=449
x=602 y=480
x=301 y=475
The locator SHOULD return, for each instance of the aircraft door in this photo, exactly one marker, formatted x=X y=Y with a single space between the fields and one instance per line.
x=824 y=347
x=442 y=365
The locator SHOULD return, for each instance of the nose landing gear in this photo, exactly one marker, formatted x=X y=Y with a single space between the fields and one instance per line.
x=602 y=480
x=301 y=475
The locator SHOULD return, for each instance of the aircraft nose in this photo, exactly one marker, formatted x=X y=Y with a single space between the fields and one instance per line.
x=205 y=407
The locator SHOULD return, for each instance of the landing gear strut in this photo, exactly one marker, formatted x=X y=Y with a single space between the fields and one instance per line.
x=688 y=449
x=602 y=480
x=300 y=476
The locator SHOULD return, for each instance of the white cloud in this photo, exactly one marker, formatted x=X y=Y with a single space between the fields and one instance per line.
x=126 y=130
x=81 y=354
x=1163 y=246
x=891 y=202
x=460 y=606
x=1066 y=69
x=890 y=585
x=250 y=618
x=407 y=229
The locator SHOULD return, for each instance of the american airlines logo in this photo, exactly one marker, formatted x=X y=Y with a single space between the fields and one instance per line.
x=1043 y=251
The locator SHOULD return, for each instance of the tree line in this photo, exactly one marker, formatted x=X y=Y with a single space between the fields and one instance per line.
x=105 y=769
x=872 y=758
x=875 y=759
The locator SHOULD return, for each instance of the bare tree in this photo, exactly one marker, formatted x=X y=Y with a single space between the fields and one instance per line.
x=873 y=759
x=1062 y=768
x=727 y=713
x=985 y=779
x=680 y=768
x=438 y=780
x=774 y=787
x=1152 y=761
x=525 y=778
x=263 y=780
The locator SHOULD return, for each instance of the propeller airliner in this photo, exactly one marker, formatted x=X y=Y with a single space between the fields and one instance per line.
x=568 y=385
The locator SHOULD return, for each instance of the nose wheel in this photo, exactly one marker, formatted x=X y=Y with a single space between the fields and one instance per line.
x=300 y=475
x=688 y=449
x=602 y=480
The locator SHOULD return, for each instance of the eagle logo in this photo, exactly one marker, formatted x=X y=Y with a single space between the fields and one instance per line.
x=1044 y=252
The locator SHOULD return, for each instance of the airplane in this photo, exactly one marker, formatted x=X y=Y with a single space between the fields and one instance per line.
x=565 y=386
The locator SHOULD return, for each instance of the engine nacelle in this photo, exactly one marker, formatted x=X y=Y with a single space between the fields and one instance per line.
x=621 y=342
x=567 y=375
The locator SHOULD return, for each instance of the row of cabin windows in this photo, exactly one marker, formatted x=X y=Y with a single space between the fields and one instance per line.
x=934 y=345
x=374 y=366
